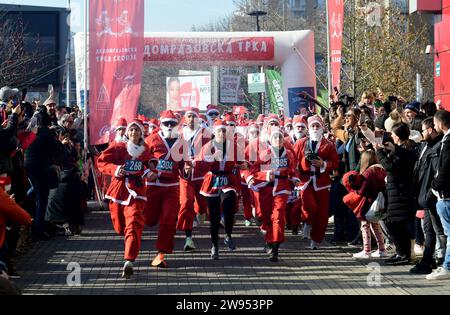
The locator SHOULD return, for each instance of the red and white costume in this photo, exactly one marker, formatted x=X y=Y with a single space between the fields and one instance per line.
x=273 y=195
x=164 y=192
x=127 y=194
x=191 y=201
x=316 y=182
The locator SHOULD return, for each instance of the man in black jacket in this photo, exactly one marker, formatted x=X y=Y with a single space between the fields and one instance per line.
x=424 y=172
x=441 y=189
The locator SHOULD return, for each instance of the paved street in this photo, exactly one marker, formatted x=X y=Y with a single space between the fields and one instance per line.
x=300 y=271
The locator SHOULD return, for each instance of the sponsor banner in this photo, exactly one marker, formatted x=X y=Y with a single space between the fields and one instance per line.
x=336 y=26
x=275 y=92
x=116 y=45
x=298 y=105
x=188 y=91
x=229 y=88
x=80 y=72
x=256 y=83
x=209 y=49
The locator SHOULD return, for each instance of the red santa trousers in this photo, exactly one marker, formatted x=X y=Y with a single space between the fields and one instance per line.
x=315 y=206
x=273 y=214
x=293 y=213
x=247 y=202
x=162 y=206
x=129 y=220
x=191 y=203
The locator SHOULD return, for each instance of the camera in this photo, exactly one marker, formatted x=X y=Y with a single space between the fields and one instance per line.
x=311 y=156
x=392 y=98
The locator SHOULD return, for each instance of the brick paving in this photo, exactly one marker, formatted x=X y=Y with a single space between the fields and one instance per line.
x=245 y=271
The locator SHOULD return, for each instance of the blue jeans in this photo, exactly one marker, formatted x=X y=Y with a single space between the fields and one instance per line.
x=443 y=209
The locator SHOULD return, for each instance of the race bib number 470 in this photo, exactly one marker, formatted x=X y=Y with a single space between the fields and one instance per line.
x=220 y=182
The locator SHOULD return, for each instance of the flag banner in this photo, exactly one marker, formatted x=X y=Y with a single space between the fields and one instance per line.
x=336 y=26
x=116 y=54
x=275 y=91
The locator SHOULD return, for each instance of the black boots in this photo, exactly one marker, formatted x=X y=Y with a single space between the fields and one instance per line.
x=273 y=253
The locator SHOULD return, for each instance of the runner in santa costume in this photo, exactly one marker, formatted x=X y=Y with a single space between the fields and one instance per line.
x=145 y=124
x=170 y=161
x=153 y=126
x=127 y=164
x=120 y=129
x=191 y=201
x=293 y=207
x=288 y=126
x=220 y=158
x=212 y=113
x=317 y=158
x=247 y=194
x=271 y=175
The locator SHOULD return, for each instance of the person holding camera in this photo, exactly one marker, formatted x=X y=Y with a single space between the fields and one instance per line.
x=317 y=158
x=398 y=159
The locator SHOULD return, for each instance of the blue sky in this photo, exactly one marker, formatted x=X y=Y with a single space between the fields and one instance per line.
x=160 y=15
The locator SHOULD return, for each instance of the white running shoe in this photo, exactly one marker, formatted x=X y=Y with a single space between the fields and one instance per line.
x=362 y=255
x=306 y=233
x=127 y=271
x=247 y=222
x=439 y=274
x=418 y=250
x=379 y=254
x=189 y=244
x=313 y=245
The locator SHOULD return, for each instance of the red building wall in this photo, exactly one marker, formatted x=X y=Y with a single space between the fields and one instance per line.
x=442 y=55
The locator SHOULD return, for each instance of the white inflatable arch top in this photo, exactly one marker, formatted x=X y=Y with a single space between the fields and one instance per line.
x=293 y=51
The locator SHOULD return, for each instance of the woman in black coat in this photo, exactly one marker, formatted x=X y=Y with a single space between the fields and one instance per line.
x=398 y=159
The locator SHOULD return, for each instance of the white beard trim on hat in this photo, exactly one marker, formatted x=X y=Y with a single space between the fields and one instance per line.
x=316 y=135
x=120 y=138
x=135 y=150
x=169 y=133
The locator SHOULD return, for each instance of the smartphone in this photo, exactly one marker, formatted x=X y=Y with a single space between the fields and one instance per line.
x=387 y=137
x=379 y=133
x=392 y=98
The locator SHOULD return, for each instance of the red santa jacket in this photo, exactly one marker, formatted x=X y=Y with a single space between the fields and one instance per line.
x=283 y=167
x=167 y=162
x=123 y=188
x=309 y=174
x=10 y=211
x=221 y=175
x=196 y=141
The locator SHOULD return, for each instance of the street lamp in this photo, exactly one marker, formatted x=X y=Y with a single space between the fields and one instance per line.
x=259 y=13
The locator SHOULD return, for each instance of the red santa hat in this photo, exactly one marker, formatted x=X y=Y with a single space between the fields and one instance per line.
x=275 y=131
x=212 y=108
x=315 y=119
x=121 y=124
x=230 y=119
x=192 y=110
x=142 y=118
x=153 y=122
x=253 y=126
x=300 y=120
x=260 y=120
x=219 y=124
x=288 y=122
x=136 y=122
x=273 y=118
x=168 y=115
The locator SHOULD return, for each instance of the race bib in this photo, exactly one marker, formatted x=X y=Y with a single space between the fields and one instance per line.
x=220 y=182
x=279 y=163
x=165 y=166
x=134 y=166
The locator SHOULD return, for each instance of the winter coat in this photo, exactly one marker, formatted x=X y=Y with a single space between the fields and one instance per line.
x=8 y=143
x=43 y=151
x=399 y=166
x=442 y=181
x=424 y=171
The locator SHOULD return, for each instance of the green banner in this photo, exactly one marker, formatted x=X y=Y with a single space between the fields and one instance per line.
x=275 y=91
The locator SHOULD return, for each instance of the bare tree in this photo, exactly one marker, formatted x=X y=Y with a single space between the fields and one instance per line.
x=20 y=60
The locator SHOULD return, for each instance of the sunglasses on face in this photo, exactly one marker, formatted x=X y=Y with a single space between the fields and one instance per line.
x=213 y=114
x=273 y=124
x=169 y=124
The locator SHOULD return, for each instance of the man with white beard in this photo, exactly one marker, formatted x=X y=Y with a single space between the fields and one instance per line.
x=121 y=126
x=317 y=158
x=170 y=161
